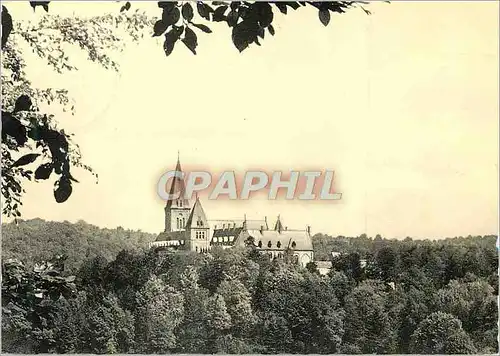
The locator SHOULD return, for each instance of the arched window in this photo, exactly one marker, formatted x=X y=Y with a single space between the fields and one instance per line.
x=278 y=244
x=183 y=223
x=260 y=243
x=178 y=223
x=269 y=244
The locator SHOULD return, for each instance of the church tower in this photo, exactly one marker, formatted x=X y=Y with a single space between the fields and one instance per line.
x=197 y=229
x=177 y=211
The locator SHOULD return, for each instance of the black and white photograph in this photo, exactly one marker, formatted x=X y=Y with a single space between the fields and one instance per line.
x=250 y=177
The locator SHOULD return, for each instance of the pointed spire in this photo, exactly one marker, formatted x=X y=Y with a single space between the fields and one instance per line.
x=177 y=186
x=278 y=226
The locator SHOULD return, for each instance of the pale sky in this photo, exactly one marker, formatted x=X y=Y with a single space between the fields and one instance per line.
x=402 y=104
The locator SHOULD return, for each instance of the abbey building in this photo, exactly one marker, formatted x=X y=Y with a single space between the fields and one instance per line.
x=188 y=228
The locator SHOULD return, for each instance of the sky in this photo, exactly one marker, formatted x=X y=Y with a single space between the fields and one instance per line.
x=401 y=104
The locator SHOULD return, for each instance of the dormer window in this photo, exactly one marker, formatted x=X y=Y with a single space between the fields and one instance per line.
x=260 y=244
x=269 y=244
x=294 y=244
x=278 y=244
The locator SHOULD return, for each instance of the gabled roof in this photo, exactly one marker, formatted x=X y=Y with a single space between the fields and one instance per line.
x=197 y=214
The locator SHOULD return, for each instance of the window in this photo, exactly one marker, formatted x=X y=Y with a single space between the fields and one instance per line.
x=278 y=244
x=294 y=244
x=269 y=244
x=178 y=223
x=196 y=248
x=231 y=238
x=260 y=243
x=225 y=238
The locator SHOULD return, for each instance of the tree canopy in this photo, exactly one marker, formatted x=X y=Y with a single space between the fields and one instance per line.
x=130 y=300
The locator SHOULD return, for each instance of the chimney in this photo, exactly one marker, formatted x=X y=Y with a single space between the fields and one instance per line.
x=309 y=229
x=261 y=229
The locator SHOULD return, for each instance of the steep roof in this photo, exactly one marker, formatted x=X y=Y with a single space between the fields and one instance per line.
x=170 y=236
x=296 y=239
x=197 y=215
x=177 y=186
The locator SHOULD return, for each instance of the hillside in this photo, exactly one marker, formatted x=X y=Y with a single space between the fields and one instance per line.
x=36 y=240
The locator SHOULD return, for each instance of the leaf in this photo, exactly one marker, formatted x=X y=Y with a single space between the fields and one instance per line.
x=44 y=171
x=23 y=103
x=167 y=4
x=44 y=4
x=190 y=40
x=271 y=29
x=261 y=33
x=170 y=38
x=171 y=16
x=159 y=28
x=281 y=6
x=14 y=128
x=240 y=37
x=6 y=25
x=324 y=16
x=232 y=18
x=125 y=7
x=204 y=28
x=204 y=10
x=63 y=190
x=219 y=13
x=265 y=13
x=26 y=159
x=187 y=12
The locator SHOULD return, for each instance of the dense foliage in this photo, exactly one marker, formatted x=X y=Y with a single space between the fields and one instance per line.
x=411 y=297
x=31 y=241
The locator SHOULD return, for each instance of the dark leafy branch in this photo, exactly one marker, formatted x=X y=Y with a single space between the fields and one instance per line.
x=249 y=21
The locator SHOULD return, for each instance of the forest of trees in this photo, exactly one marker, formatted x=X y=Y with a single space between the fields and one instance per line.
x=114 y=296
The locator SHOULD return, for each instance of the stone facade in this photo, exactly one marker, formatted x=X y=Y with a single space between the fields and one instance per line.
x=187 y=228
